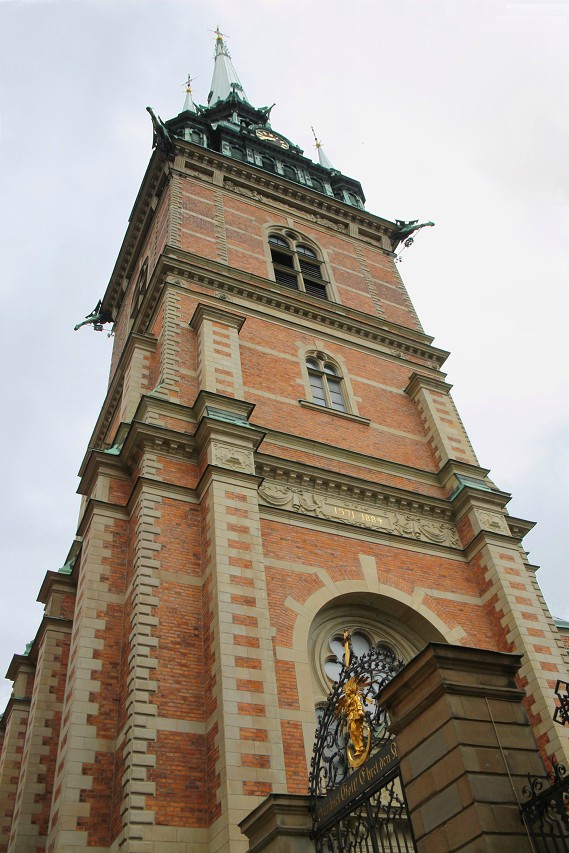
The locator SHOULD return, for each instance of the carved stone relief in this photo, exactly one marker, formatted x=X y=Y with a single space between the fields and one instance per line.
x=236 y=458
x=492 y=521
x=409 y=525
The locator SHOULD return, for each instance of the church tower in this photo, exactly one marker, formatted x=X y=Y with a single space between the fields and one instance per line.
x=278 y=458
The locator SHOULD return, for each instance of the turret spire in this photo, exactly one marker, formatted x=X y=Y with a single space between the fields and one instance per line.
x=189 y=102
x=225 y=81
x=322 y=158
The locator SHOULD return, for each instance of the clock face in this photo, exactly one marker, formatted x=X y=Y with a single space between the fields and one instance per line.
x=269 y=136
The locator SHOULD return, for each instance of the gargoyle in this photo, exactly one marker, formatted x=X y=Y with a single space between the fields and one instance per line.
x=97 y=317
x=161 y=136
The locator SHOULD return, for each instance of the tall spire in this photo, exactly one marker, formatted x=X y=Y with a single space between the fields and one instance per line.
x=322 y=158
x=225 y=81
x=189 y=102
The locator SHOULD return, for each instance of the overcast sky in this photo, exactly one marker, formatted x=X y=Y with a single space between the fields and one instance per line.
x=450 y=111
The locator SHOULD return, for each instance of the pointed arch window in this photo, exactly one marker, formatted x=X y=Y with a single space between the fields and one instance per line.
x=298 y=266
x=326 y=383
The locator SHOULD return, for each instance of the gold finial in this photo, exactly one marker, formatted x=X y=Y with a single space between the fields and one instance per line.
x=219 y=36
x=347 y=638
x=188 y=84
x=317 y=142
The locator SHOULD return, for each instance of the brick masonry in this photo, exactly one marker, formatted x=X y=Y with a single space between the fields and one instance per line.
x=229 y=526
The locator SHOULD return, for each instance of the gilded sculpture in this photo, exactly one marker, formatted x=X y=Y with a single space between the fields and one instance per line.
x=350 y=709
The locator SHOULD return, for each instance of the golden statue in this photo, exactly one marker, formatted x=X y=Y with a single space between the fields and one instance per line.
x=350 y=709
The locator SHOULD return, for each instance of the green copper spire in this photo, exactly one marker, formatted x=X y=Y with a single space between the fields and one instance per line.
x=188 y=102
x=322 y=158
x=225 y=81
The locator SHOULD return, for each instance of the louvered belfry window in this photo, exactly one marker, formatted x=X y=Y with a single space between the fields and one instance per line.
x=297 y=266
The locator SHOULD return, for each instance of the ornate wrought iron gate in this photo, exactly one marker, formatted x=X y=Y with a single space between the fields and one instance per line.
x=546 y=812
x=358 y=800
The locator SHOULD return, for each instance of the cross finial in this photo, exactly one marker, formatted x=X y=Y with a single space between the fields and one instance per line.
x=219 y=36
x=188 y=84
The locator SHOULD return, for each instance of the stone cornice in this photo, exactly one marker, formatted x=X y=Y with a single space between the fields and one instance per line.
x=53 y=579
x=108 y=510
x=297 y=475
x=337 y=501
x=349 y=457
x=265 y=297
x=56 y=622
x=217 y=313
x=519 y=527
x=419 y=381
x=14 y=703
x=17 y=662
x=268 y=188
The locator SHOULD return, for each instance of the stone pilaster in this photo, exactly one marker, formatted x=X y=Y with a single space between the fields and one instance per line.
x=35 y=786
x=168 y=385
x=14 y=725
x=219 y=361
x=511 y=591
x=465 y=748
x=443 y=427
x=139 y=730
x=243 y=723
x=136 y=375
x=87 y=739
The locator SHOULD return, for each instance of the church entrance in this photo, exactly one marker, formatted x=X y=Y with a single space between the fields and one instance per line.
x=357 y=795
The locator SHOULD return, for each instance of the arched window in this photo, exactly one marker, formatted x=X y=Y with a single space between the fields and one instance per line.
x=297 y=266
x=326 y=383
x=317 y=184
x=268 y=164
x=238 y=153
x=289 y=172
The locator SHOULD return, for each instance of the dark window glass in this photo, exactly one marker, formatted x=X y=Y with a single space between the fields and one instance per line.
x=238 y=153
x=297 y=266
x=289 y=172
x=326 y=384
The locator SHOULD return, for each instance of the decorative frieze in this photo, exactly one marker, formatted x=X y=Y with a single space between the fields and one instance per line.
x=410 y=525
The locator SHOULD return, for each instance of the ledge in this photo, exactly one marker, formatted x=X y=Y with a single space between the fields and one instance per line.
x=306 y=404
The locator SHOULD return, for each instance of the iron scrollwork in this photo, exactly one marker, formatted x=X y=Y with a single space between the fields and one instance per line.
x=358 y=802
x=546 y=812
x=338 y=735
x=561 y=713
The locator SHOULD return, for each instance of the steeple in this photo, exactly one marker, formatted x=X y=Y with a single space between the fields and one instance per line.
x=188 y=102
x=322 y=158
x=225 y=81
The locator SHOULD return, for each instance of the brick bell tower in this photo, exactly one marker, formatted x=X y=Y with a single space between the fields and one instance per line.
x=278 y=458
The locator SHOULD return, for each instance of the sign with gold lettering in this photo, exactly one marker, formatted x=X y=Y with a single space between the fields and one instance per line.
x=376 y=770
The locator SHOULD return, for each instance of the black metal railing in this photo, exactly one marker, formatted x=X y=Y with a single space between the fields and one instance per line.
x=546 y=811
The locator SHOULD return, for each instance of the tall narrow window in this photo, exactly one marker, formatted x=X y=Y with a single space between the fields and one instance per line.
x=298 y=266
x=325 y=383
